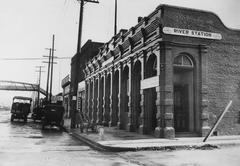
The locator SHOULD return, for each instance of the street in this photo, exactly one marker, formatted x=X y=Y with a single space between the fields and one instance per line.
x=26 y=144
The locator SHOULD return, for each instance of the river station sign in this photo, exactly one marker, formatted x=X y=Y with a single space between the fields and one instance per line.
x=192 y=33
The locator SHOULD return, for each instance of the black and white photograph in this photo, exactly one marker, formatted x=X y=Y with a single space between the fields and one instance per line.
x=119 y=83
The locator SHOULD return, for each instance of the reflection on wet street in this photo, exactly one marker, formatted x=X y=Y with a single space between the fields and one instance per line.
x=23 y=144
x=28 y=137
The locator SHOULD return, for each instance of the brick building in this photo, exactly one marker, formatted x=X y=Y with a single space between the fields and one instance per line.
x=78 y=61
x=171 y=74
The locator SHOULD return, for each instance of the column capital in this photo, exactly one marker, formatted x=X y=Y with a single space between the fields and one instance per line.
x=142 y=53
x=104 y=72
x=87 y=80
x=203 y=48
x=91 y=78
x=99 y=75
x=130 y=60
x=109 y=70
x=118 y=66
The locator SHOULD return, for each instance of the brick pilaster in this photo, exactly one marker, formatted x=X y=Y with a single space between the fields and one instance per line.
x=204 y=92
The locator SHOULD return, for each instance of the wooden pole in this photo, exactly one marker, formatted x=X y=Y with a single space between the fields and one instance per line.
x=51 y=78
x=218 y=121
x=49 y=62
x=115 y=19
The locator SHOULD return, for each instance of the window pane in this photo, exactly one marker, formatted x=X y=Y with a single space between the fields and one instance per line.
x=186 y=61
x=178 y=60
x=183 y=60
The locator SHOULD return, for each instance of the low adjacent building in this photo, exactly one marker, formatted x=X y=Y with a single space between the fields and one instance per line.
x=66 y=95
x=171 y=74
x=78 y=61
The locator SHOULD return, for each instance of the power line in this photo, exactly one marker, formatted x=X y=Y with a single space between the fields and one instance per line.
x=31 y=59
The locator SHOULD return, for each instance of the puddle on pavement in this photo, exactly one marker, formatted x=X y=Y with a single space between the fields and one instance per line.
x=40 y=142
x=34 y=136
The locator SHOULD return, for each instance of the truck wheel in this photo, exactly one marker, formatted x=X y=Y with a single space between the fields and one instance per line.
x=43 y=125
x=25 y=119
x=61 y=125
x=12 y=118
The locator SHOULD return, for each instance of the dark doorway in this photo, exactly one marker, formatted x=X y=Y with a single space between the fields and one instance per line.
x=125 y=98
x=90 y=102
x=181 y=109
x=136 y=95
x=150 y=109
x=183 y=94
x=115 y=100
x=100 y=104
x=95 y=96
x=107 y=100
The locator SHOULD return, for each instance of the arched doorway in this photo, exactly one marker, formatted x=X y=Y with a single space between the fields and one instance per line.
x=115 y=100
x=125 y=97
x=107 y=100
x=90 y=100
x=136 y=76
x=100 y=98
x=150 y=96
x=95 y=101
x=183 y=82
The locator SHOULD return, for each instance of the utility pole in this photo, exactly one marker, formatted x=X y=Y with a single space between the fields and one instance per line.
x=74 y=83
x=49 y=62
x=53 y=40
x=115 y=19
x=39 y=82
x=50 y=69
x=81 y=22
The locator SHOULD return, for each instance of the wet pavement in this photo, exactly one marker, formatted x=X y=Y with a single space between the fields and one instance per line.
x=25 y=144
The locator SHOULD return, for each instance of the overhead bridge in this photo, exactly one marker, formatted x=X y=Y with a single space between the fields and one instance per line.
x=20 y=86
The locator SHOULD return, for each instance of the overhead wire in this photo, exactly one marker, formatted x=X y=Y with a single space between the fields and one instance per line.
x=23 y=59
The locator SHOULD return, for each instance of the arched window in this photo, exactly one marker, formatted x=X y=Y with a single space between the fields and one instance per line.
x=183 y=60
x=151 y=66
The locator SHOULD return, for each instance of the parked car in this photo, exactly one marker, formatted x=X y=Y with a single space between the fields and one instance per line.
x=20 y=108
x=53 y=115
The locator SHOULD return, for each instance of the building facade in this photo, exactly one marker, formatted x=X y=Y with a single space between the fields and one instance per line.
x=171 y=74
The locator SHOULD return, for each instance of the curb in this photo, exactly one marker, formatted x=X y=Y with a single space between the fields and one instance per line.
x=98 y=146
x=92 y=144
x=105 y=148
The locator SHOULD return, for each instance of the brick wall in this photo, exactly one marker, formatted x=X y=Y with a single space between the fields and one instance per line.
x=223 y=61
x=223 y=85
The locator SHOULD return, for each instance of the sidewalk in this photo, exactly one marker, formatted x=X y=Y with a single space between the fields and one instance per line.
x=120 y=140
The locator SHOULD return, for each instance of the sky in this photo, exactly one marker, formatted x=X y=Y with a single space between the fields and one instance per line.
x=27 y=27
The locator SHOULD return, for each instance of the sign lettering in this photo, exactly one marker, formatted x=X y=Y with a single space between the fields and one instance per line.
x=192 y=33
